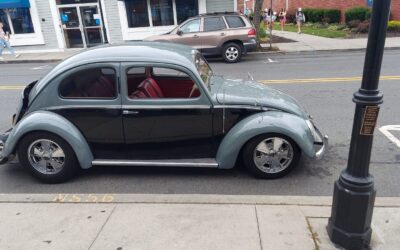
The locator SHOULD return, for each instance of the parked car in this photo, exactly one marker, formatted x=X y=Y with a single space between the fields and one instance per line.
x=228 y=34
x=154 y=104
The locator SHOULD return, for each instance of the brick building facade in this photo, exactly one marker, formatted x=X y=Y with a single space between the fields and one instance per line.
x=292 y=5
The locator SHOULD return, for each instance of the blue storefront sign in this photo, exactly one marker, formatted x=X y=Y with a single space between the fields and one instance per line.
x=5 y=4
x=370 y=2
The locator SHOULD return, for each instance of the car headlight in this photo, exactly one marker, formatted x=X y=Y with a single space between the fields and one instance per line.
x=317 y=137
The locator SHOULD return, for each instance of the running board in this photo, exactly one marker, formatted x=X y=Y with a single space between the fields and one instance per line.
x=199 y=163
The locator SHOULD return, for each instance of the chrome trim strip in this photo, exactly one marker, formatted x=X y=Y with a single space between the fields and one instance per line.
x=166 y=106
x=83 y=107
x=201 y=163
x=244 y=107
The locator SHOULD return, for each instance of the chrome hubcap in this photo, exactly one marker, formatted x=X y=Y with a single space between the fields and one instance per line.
x=232 y=53
x=273 y=155
x=46 y=156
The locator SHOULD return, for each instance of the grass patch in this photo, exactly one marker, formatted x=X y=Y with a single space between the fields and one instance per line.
x=315 y=30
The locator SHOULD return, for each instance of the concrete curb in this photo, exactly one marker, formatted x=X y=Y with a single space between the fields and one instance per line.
x=281 y=52
x=183 y=199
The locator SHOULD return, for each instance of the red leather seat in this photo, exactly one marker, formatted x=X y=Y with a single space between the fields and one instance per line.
x=103 y=87
x=148 y=89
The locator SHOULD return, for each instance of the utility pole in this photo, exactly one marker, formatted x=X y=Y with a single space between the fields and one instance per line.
x=354 y=193
x=270 y=30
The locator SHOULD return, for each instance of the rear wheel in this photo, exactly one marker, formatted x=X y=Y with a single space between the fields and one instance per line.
x=271 y=156
x=232 y=52
x=48 y=157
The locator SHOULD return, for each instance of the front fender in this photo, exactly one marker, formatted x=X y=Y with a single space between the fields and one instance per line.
x=53 y=123
x=279 y=122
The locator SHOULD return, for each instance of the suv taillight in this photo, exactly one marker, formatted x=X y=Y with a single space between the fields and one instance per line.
x=252 y=33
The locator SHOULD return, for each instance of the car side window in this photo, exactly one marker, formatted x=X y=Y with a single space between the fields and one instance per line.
x=191 y=26
x=235 y=21
x=164 y=83
x=93 y=83
x=214 y=24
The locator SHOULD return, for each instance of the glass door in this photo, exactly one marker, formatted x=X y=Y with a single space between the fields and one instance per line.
x=91 y=25
x=71 y=26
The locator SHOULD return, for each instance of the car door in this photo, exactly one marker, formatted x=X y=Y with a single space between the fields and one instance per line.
x=214 y=30
x=88 y=97
x=170 y=125
x=188 y=34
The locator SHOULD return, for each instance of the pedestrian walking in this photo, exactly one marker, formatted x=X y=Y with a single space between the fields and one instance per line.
x=4 y=42
x=267 y=18
x=300 y=19
x=282 y=18
x=273 y=19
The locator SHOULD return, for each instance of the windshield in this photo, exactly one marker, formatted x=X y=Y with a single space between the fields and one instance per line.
x=204 y=69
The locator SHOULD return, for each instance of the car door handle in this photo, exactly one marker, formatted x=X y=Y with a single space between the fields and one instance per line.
x=130 y=112
x=196 y=36
x=222 y=34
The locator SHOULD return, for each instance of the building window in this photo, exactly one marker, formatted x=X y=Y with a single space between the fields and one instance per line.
x=153 y=13
x=137 y=13
x=186 y=9
x=17 y=20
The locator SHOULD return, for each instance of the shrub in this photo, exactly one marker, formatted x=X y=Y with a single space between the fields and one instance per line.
x=363 y=27
x=394 y=26
x=353 y=24
x=357 y=13
x=332 y=15
x=322 y=15
x=262 y=32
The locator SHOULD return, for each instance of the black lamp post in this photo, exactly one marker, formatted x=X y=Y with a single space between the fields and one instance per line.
x=354 y=192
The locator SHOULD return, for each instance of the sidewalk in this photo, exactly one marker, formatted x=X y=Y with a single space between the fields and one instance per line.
x=316 y=43
x=179 y=222
x=305 y=43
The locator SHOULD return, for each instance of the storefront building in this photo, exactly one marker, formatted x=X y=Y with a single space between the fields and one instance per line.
x=54 y=25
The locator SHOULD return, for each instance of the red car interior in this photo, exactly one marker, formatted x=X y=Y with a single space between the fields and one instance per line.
x=147 y=89
x=102 y=87
x=149 y=85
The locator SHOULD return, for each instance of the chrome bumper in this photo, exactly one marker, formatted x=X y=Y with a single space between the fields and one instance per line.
x=2 y=160
x=320 y=153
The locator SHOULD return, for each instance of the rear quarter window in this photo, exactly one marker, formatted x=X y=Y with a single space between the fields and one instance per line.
x=235 y=22
x=213 y=24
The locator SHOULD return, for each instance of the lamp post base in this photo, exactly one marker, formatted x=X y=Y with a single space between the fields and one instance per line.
x=352 y=207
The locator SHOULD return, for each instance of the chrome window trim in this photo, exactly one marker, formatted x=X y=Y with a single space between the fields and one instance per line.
x=165 y=106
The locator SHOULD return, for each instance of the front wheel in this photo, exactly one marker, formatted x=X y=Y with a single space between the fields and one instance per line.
x=48 y=157
x=232 y=52
x=271 y=156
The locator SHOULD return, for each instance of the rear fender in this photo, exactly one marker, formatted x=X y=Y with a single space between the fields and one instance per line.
x=53 y=123
x=278 y=122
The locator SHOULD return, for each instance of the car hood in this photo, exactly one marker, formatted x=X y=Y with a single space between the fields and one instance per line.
x=251 y=93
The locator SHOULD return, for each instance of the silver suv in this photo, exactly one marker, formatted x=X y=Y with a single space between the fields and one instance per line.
x=228 y=34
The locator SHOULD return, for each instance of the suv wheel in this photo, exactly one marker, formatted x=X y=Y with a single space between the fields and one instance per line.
x=232 y=52
x=48 y=157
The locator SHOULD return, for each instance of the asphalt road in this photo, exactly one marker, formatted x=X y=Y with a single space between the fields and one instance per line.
x=327 y=99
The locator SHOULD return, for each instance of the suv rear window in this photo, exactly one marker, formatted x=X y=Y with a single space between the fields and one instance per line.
x=213 y=24
x=235 y=21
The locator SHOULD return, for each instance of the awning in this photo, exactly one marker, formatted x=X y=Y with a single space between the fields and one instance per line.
x=5 y=4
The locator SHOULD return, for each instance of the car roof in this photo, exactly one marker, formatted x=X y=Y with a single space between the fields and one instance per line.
x=156 y=52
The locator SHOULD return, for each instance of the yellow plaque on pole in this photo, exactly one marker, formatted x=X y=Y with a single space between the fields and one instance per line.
x=369 y=120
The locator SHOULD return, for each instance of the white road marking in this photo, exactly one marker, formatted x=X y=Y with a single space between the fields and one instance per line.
x=269 y=60
x=385 y=130
x=40 y=67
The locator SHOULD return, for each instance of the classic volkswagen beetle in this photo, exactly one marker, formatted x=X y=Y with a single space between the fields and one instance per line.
x=154 y=104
